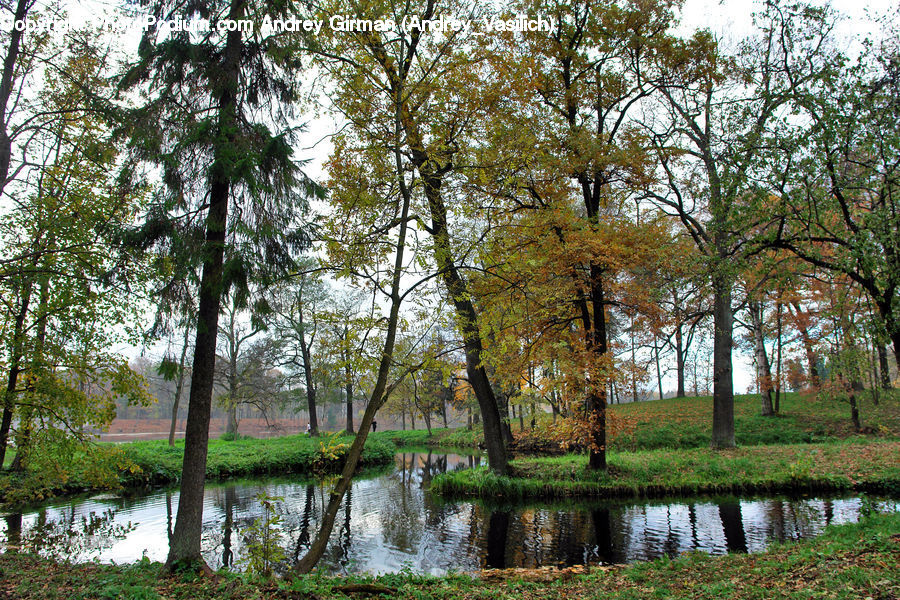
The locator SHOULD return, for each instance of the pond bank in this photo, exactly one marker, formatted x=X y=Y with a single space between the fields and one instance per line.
x=839 y=466
x=113 y=466
x=847 y=561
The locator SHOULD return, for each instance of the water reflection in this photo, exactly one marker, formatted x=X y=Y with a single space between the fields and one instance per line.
x=389 y=522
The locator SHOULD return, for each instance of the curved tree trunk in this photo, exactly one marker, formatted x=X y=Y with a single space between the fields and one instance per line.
x=179 y=386
x=9 y=397
x=379 y=395
x=763 y=368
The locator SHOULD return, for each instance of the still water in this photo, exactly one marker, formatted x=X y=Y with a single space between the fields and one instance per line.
x=389 y=522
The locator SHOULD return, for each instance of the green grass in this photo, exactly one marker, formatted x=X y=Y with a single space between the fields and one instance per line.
x=160 y=463
x=848 y=561
x=687 y=422
x=156 y=463
x=871 y=466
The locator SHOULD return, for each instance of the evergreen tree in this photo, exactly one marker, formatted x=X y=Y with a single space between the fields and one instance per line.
x=212 y=101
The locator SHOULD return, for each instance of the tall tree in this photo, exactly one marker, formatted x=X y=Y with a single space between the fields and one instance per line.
x=297 y=304
x=427 y=82
x=65 y=294
x=583 y=83
x=840 y=179
x=723 y=111
x=210 y=99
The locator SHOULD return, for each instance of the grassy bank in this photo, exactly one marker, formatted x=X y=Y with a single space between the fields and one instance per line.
x=110 y=466
x=679 y=423
x=687 y=422
x=871 y=466
x=847 y=561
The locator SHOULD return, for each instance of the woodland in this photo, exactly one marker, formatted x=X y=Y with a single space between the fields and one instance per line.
x=497 y=235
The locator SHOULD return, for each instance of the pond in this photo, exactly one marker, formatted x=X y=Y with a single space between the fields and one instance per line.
x=389 y=522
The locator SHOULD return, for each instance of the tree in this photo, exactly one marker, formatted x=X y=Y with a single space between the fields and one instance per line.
x=723 y=110
x=345 y=344
x=204 y=124
x=583 y=83
x=297 y=303
x=838 y=184
x=371 y=200
x=427 y=82
x=66 y=296
x=237 y=333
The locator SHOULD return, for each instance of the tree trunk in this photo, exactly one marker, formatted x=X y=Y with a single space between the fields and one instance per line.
x=597 y=345
x=807 y=347
x=9 y=397
x=883 y=368
x=466 y=315
x=679 y=352
x=9 y=69
x=763 y=369
x=179 y=385
x=779 y=346
x=349 y=391
x=184 y=548
x=308 y=377
x=723 y=387
x=467 y=319
x=231 y=421
x=23 y=444
x=658 y=370
x=380 y=393
x=854 y=412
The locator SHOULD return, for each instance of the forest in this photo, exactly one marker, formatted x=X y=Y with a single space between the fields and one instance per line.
x=600 y=248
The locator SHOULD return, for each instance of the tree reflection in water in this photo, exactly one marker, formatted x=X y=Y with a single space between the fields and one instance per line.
x=391 y=521
x=68 y=535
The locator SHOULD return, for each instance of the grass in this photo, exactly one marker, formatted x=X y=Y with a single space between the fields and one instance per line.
x=161 y=463
x=679 y=423
x=157 y=463
x=871 y=466
x=847 y=561
x=686 y=422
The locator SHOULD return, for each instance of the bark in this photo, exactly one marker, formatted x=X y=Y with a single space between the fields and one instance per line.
x=779 y=346
x=679 y=353
x=807 y=347
x=763 y=368
x=308 y=377
x=679 y=361
x=658 y=370
x=231 y=421
x=723 y=387
x=431 y=174
x=883 y=368
x=179 y=385
x=184 y=547
x=854 y=412
x=596 y=338
x=6 y=79
x=467 y=318
x=17 y=350
x=349 y=391
x=23 y=444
